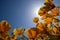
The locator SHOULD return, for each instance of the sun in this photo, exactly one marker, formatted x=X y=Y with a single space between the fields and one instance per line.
x=36 y=11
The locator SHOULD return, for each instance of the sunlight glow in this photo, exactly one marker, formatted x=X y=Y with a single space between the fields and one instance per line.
x=36 y=11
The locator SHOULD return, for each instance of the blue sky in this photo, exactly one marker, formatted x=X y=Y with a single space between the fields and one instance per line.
x=20 y=12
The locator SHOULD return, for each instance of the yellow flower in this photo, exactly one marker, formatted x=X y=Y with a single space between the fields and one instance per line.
x=18 y=31
x=15 y=31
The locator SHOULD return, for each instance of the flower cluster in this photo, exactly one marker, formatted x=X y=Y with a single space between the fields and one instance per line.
x=47 y=30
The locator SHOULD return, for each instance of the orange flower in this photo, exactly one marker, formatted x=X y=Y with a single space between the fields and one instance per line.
x=48 y=1
x=55 y=12
x=35 y=19
x=49 y=28
x=55 y=20
x=40 y=26
x=54 y=29
x=32 y=32
x=5 y=26
x=45 y=16
x=48 y=20
x=42 y=11
x=0 y=26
